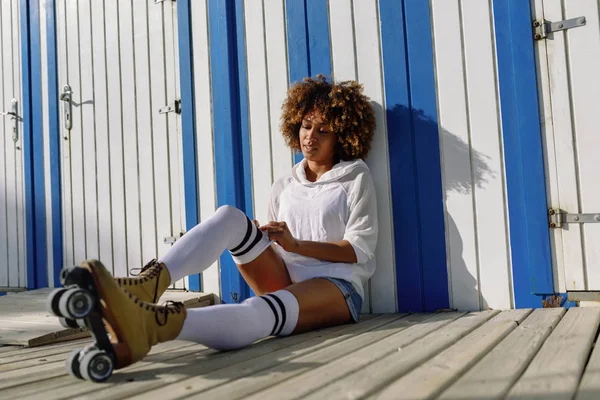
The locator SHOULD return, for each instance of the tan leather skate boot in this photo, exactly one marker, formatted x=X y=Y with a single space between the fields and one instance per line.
x=150 y=284
x=134 y=325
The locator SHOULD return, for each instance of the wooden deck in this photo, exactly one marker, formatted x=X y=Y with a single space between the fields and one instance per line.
x=516 y=354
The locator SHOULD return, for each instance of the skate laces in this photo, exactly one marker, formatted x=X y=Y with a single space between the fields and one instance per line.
x=150 y=264
x=169 y=307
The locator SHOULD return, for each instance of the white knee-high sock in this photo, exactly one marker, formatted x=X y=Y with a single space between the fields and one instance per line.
x=229 y=228
x=232 y=326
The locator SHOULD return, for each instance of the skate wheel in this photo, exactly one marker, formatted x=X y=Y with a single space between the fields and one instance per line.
x=96 y=366
x=72 y=364
x=76 y=303
x=72 y=323
x=53 y=299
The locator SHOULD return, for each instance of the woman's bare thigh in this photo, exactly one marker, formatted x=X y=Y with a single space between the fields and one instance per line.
x=321 y=304
x=266 y=274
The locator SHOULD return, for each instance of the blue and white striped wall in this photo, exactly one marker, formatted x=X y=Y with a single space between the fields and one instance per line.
x=456 y=107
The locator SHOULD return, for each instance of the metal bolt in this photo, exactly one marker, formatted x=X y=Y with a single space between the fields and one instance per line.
x=536 y=23
x=560 y=25
x=551 y=211
x=597 y=217
x=576 y=218
x=552 y=225
x=537 y=37
x=582 y=21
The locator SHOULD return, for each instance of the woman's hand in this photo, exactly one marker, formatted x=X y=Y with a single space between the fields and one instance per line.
x=280 y=233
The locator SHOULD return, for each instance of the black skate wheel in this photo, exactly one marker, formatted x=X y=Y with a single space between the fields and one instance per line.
x=72 y=364
x=76 y=303
x=96 y=366
x=53 y=299
x=71 y=323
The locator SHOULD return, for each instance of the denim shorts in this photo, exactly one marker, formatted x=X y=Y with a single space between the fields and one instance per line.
x=353 y=299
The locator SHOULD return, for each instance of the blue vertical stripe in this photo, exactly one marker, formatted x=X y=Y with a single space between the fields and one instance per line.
x=523 y=153
x=307 y=41
x=230 y=121
x=188 y=133
x=415 y=170
x=54 y=140
x=27 y=148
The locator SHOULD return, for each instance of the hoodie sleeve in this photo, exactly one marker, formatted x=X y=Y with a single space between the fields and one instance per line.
x=362 y=229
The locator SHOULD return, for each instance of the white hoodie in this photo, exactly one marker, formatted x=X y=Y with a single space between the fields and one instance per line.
x=341 y=205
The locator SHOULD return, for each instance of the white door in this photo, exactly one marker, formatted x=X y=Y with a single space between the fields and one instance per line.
x=121 y=157
x=12 y=200
x=569 y=82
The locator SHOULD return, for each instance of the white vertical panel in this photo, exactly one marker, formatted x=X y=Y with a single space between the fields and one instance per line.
x=115 y=133
x=561 y=140
x=487 y=170
x=65 y=163
x=143 y=95
x=455 y=150
x=76 y=133
x=130 y=135
x=88 y=129
x=18 y=93
x=101 y=128
x=204 y=130
x=584 y=63
x=282 y=157
x=174 y=122
x=341 y=28
x=5 y=145
x=258 y=107
x=550 y=154
x=46 y=140
x=383 y=294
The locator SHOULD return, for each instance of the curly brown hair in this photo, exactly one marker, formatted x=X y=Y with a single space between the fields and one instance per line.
x=343 y=105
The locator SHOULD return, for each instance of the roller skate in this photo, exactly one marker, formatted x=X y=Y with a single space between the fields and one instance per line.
x=150 y=284
x=124 y=327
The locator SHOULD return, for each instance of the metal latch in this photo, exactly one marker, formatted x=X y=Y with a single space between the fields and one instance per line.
x=542 y=28
x=558 y=217
x=14 y=114
x=173 y=239
x=175 y=107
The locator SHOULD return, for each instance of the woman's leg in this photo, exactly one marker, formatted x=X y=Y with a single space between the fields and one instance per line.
x=301 y=307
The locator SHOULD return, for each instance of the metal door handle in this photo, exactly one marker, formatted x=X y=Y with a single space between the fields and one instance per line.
x=14 y=113
x=66 y=96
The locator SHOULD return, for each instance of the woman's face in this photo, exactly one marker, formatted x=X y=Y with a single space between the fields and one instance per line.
x=317 y=141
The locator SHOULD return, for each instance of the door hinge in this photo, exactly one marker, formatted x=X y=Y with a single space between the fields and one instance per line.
x=173 y=239
x=541 y=28
x=558 y=217
x=175 y=107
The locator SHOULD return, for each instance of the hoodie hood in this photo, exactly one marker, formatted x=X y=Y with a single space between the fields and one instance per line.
x=338 y=171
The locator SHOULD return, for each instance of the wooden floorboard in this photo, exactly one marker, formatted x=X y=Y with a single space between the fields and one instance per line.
x=446 y=355
x=558 y=366
x=494 y=375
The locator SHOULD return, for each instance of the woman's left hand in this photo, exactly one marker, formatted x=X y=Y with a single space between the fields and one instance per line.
x=280 y=233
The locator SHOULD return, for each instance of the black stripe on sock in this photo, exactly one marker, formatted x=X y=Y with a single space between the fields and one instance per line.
x=274 y=312
x=259 y=236
x=278 y=300
x=248 y=232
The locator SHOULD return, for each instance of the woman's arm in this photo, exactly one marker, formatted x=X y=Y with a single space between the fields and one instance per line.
x=340 y=251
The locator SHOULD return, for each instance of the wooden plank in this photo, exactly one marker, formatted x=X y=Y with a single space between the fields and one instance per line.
x=565 y=167
x=372 y=376
x=204 y=132
x=589 y=387
x=321 y=359
x=258 y=104
x=556 y=369
x=494 y=375
x=455 y=152
x=583 y=50
x=486 y=156
x=195 y=372
x=343 y=56
x=368 y=56
x=277 y=73
x=351 y=361
x=18 y=353
x=433 y=376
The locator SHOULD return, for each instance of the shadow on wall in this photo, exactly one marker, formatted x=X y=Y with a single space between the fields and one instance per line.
x=457 y=179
